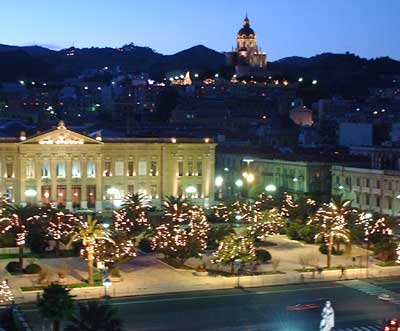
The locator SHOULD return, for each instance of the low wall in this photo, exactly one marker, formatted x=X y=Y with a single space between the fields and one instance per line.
x=13 y=250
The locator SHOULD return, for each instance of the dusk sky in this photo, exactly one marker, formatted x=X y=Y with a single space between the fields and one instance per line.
x=369 y=28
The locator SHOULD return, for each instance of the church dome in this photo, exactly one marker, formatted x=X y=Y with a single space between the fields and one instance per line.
x=246 y=31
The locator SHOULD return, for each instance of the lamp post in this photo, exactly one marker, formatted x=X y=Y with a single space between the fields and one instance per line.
x=238 y=263
x=239 y=185
x=219 y=180
x=106 y=283
x=30 y=193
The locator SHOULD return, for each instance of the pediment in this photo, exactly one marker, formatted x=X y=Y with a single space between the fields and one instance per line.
x=61 y=136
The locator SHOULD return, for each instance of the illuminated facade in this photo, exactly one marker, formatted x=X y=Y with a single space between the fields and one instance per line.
x=247 y=58
x=76 y=171
x=369 y=189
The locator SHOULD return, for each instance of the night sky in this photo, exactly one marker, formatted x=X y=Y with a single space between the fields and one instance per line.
x=369 y=28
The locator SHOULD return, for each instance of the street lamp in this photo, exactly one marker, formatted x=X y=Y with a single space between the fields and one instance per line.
x=30 y=193
x=106 y=283
x=218 y=183
x=239 y=183
x=270 y=188
x=238 y=263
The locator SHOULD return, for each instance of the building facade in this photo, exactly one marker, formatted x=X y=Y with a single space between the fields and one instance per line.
x=296 y=177
x=75 y=171
x=372 y=190
x=247 y=57
x=299 y=177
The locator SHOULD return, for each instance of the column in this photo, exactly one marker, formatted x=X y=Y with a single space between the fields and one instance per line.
x=53 y=179
x=22 y=175
x=68 y=165
x=99 y=189
x=83 y=182
x=38 y=176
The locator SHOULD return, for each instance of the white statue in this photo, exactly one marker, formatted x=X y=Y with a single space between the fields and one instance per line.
x=328 y=318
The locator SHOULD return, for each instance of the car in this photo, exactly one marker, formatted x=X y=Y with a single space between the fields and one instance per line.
x=392 y=325
x=304 y=306
x=386 y=297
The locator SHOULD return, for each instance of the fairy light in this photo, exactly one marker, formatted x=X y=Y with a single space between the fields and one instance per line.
x=232 y=248
x=331 y=221
x=185 y=227
x=266 y=224
x=5 y=293
x=133 y=215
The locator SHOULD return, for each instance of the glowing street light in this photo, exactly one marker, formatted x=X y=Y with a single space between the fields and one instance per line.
x=239 y=183
x=270 y=188
x=250 y=178
x=314 y=82
x=219 y=181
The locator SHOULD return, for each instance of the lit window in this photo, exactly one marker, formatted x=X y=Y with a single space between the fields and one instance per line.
x=199 y=168
x=190 y=168
x=60 y=169
x=180 y=168
x=131 y=168
x=142 y=165
x=91 y=169
x=153 y=168
x=76 y=169
x=119 y=168
x=9 y=170
x=45 y=171
x=29 y=170
x=107 y=168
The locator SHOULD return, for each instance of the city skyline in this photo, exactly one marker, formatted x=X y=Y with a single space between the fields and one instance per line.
x=283 y=29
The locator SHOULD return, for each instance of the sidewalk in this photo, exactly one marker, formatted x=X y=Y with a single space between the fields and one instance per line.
x=146 y=274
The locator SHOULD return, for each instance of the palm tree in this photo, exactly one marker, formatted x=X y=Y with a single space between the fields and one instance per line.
x=176 y=208
x=331 y=220
x=56 y=304
x=133 y=217
x=15 y=219
x=89 y=232
x=95 y=316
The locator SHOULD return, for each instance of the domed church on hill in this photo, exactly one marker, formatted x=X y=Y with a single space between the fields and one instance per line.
x=247 y=58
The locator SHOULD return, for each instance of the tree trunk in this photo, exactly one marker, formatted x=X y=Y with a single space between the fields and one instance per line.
x=90 y=265
x=232 y=265
x=21 y=256
x=56 y=325
x=338 y=245
x=329 y=255
x=57 y=248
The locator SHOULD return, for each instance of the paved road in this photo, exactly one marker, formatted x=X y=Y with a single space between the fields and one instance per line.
x=356 y=305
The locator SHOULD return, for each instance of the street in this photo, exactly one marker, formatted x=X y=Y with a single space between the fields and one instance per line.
x=355 y=302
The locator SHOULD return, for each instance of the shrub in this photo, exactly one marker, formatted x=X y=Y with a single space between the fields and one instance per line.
x=43 y=277
x=7 y=240
x=37 y=239
x=115 y=272
x=217 y=233
x=33 y=268
x=324 y=250
x=13 y=267
x=263 y=256
x=385 y=250
x=145 y=245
